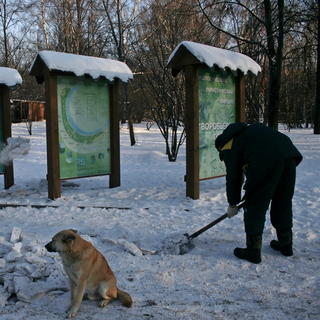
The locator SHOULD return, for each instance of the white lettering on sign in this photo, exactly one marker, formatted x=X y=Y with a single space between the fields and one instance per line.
x=212 y=126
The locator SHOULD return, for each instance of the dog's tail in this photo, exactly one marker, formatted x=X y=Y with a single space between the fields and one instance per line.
x=125 y=298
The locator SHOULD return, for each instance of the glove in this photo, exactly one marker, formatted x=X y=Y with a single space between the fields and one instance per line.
x=232 y=211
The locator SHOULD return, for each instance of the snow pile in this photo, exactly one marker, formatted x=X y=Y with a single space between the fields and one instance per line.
x=9 y=77
x=15 y=148
x=176 y=244
x=81 y=65
x=216 y=56
x=27 y=271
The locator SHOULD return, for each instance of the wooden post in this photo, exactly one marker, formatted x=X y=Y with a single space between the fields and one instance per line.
x=192 y=131
x=240 y=98
x=114 y=179
x=6 y=125
x=53 y=167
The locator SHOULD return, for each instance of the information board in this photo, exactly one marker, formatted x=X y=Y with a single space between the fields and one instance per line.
x=84 y=126
x=217 y=110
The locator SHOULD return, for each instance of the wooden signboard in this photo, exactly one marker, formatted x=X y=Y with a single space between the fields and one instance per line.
x=82 y=125
x=215 y=97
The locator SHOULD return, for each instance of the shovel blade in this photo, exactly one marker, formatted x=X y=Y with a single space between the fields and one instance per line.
x=185 y=245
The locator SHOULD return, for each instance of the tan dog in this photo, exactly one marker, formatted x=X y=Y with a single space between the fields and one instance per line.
x=87 y=269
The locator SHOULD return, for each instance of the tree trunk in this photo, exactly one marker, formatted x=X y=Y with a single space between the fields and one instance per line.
x=317 y=102
x=128 y=113
x=131 y=131
x=274 y=97
x=275 y=56
x=5 y=36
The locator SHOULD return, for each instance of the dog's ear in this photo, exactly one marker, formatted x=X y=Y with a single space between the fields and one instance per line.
x=68 y=237
x=74 y=230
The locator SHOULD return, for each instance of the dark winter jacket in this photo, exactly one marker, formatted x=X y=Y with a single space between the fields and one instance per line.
x=254 y=150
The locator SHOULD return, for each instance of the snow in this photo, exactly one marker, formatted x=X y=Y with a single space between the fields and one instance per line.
x=15 y=147
x=9 y=77
x=81 y=65
x=149 y=208
x=223 y=58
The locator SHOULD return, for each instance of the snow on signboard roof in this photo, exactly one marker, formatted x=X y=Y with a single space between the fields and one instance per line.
x=211 y=56
x=81 y=65
x=9 y=77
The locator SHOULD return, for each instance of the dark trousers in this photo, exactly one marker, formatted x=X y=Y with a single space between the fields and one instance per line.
x=279 y=189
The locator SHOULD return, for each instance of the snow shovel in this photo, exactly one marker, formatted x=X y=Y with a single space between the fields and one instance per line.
x=186 y=244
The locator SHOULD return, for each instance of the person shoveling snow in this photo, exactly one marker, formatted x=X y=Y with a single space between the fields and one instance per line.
x=15 y=148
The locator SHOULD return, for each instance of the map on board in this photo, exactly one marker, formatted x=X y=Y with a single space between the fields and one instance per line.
x=84 y=126
x=216 y=112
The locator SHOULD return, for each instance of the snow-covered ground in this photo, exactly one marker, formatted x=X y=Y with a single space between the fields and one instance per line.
x=149 y=208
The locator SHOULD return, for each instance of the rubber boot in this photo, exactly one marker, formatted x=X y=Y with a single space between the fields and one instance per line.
x=284 y=242
x=253 y=251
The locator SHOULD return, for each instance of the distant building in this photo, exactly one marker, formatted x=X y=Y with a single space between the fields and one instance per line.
x=26 y=110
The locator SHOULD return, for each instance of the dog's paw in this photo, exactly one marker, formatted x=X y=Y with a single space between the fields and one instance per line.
x=104 y=303
x=71 y=315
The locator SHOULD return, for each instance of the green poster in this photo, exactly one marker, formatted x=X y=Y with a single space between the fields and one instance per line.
x=217 y=110
x=2 y=142
x=84 y=126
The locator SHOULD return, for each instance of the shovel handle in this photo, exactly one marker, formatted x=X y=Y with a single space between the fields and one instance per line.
x=211 y=224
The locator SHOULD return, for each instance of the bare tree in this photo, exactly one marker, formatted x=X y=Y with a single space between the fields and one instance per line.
x=274 y=21
x=274 y=24
x=299 y=70
x=43 y=25
x=15 y=26
x=121 y=18
x=163 y=28
x=73 y=26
